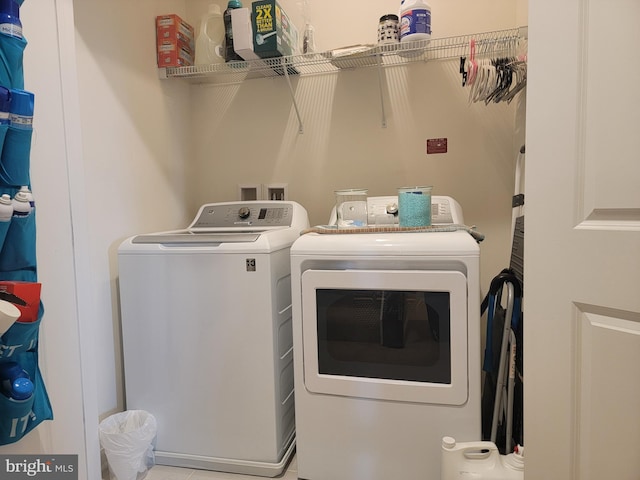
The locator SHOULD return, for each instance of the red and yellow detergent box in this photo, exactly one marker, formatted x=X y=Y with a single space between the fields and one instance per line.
x=175 y=44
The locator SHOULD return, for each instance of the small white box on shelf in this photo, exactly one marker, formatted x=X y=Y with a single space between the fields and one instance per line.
x=243 y=33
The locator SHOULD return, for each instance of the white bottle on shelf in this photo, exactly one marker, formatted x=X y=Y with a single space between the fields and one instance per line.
x=210 y=41
x=21 y=205
x=308 y=39
x=6 y=208
x=415 y=20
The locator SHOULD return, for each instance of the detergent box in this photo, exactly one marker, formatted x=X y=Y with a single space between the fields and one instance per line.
x=274 y=34
x=174 y=55
x=243 y=33
x=175 y=44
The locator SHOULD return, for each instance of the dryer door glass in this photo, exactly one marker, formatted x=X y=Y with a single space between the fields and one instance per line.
x=386 y=334
x=389 y=334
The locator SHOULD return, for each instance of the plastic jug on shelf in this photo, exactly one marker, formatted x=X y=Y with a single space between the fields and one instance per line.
x=415 y=20
x=210 y=41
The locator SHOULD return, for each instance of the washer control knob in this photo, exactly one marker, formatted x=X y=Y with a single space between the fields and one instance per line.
x=244 y=213
x=392 y=208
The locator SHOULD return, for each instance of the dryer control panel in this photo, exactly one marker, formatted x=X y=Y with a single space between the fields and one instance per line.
x=243 y=214
x=384 y=210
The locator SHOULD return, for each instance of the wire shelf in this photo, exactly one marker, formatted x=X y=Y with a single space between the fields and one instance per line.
x=497 y=43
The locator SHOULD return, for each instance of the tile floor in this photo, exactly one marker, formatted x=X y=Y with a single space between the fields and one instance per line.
x=161 y=472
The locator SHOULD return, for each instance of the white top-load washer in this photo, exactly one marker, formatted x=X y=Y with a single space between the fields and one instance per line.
x=207 y=340
x=386 y=331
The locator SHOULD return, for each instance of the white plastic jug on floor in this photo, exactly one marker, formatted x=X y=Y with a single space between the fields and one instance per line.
x=480 y=461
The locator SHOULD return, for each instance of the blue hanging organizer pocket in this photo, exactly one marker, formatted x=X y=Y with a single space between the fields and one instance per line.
x=18 y=417
x=5 y=106
x=16 y=150
x=20 y=411
x=11 y=53
x=18 y=254
x=14 y=163
x=4 y=228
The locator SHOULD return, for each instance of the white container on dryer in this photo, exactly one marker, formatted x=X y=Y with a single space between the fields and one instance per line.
x=480 y=461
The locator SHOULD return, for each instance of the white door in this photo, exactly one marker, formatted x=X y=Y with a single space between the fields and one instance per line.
x=582 y=244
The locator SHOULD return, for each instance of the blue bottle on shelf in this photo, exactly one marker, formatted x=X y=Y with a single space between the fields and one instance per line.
x=15 y=382
x=21 y=110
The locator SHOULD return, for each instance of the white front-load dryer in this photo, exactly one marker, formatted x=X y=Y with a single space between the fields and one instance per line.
x=207 y=338
x=386 y=329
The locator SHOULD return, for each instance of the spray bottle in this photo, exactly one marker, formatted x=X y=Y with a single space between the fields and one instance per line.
x=308 y=37
x=21 y=205
x=6 y=208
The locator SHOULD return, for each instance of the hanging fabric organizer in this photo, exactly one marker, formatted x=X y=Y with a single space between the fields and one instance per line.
x=19 y=414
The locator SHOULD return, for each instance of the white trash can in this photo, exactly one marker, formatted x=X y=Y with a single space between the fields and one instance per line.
x=128 y=439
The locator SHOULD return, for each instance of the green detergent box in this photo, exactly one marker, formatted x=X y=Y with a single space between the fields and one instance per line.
x=274 y=34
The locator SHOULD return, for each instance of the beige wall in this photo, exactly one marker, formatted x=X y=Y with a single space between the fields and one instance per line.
x=248 y=133
x=135 y=155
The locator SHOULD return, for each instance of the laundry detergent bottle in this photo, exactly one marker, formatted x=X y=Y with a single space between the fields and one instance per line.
x=230 y=54
x=415 y=20
x=210 y=41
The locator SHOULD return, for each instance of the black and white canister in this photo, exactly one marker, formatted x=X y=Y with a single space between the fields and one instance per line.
x=388 y=29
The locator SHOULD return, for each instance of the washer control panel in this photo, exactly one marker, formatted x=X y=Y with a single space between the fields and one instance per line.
x=243 y=214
